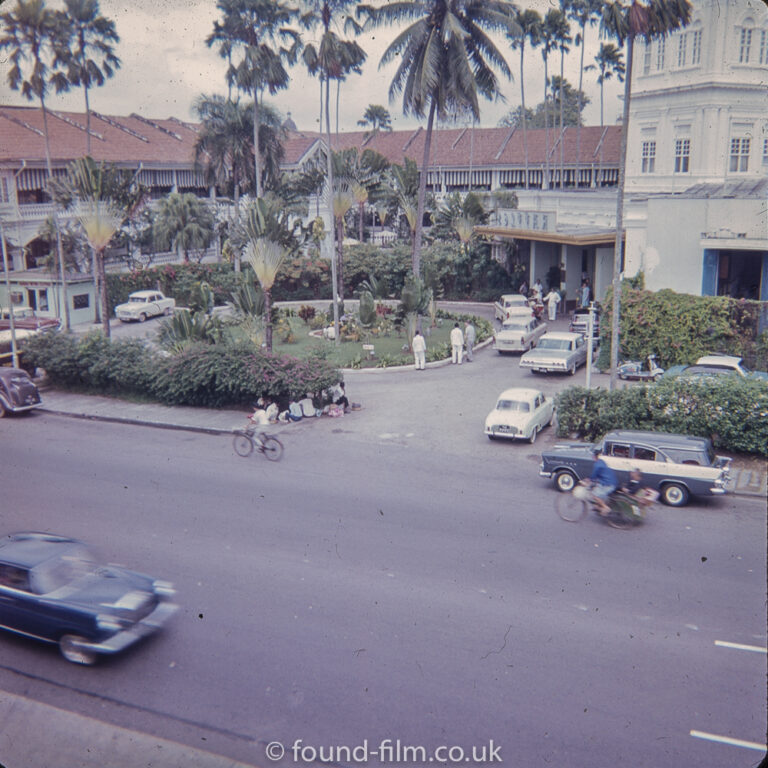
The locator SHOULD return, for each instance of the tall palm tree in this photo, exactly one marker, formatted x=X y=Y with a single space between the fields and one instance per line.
x=29 y=32
x=343 y=202
x=377 y=117
x=549 y=31
x=329 y=60
x=404 y=182
x=88 y=39
x=260 y=28
x=184 y=223
x=446 y=59
x=562 y=38
x=626 y=21
x=529 y=22
x=608 y=63
x=362 y=173
x=584 y=13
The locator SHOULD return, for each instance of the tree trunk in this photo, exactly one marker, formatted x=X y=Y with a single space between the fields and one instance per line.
x=87 y=122
x=545 y=184
x=360 y=230
x=617 y=248
x=331 y=232
x=340 y=259
x=268 y=316
x=104 y=300
x=96 y=284
x=416 y=259
x=578 y=125
x=522 y=104
x=256 y=151
x=562 y=134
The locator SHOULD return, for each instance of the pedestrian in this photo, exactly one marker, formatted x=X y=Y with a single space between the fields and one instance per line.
x=523 y=288
x=469 y=339
x=585 y=291
x=457 y=344
x=538 y=290
x=419 y=347
x=552 y=299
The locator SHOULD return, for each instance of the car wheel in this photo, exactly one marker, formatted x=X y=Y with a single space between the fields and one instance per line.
x=491 y=437
x=2 y=409
x=572 y=370
x=675 y=495
x=142 y=318
x=532 y=436
x=167 y=311
x=565 y=481
x=71 y=651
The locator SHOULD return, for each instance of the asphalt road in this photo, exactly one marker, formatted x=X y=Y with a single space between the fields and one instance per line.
x=398 y=576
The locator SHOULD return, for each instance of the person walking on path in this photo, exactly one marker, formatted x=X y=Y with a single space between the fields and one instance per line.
x=419 y=347
x=538 y=290
x=469 y=339
x=552 y=299
x=457 y=344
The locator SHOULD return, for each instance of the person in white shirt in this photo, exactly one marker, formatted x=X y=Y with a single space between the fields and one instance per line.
x=469 y=339
x=457 y=344
x=552 y=299
x=538 y=290
x=419 y=347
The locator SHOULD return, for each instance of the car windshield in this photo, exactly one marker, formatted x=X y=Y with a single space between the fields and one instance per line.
x=563 y=344
x=516 y=303
x=513 y=405
x=514 y=327
x=58 y=572
x=707 y=370
x=137 y=300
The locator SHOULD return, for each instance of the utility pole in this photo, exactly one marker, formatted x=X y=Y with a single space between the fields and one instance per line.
x=14 y=349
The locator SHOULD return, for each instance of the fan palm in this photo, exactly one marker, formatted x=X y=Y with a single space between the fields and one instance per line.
x=343 y=202
x=626 y=21
x=446 y=59
x=183 y=223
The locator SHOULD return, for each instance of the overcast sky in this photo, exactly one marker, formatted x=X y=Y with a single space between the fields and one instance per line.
x=166 y=65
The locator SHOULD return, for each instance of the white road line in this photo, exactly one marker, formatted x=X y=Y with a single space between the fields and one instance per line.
x=727 y=740
x=740 y=647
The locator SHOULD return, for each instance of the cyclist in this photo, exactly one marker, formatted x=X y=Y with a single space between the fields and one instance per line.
x=603 y=482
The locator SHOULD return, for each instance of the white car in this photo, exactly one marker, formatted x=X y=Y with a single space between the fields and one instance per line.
x=511 y=304
x=518 y=334
x=520 y=414
x=144 y=304
x=556 y=352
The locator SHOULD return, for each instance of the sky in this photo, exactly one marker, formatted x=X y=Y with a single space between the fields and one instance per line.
x=166 y=65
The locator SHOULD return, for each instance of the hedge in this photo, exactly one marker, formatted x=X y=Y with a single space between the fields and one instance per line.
x=203 y=375
x=730 y=410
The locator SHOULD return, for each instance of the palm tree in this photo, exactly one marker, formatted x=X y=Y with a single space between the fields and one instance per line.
x=404 y=182
x=445 y=60
x=362 y=173
x=260 y=28
x=529 y=22
x=183 y=223
x=548 y=33
x=584 y=13
x=30 y=30
x=89 y=37
x=377 y=117
x=608 y=63
x=625 y=22
x=343 y=202
x=330 y=60
x=563 y=38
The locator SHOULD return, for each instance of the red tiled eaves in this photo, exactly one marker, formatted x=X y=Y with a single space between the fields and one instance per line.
x=24 y=124
x=120 y=126
x=75 y=124
x=159 y=127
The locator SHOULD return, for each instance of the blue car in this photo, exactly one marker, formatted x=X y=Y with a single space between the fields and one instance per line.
x=52 y=589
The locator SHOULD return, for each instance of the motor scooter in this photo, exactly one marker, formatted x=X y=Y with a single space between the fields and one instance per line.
x=627 y=510
x=640 y=370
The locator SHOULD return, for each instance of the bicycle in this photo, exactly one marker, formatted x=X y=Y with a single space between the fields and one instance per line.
x=626 y=511
x=245 y=440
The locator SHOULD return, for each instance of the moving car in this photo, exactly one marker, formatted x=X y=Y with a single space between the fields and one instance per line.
x=710 y=366
x=25 y=318
x=580 y=321
x=510 y=304
x=18 y=392
x=52 y=589
x=144 y=304
x=558 y=352
x=518 y=334
x=520 y=414
x=677 y=466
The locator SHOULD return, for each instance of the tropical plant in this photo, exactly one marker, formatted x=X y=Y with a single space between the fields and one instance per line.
x=187 y=328
x=445 y=60
x=414 y=301
x=260 y=29
x=343 y=202
x=403 y=183
x=550 y=32
x=608 y=62
x=563 y=39
x=458 y=216
x=183 y=223
x=84 y=48
x=377 y=117
x=625 y=22
x=362 y=173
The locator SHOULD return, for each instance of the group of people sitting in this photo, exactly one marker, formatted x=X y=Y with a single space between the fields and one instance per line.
x=329 y=402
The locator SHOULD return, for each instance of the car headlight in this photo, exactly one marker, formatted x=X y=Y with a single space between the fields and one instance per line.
x=163 y=588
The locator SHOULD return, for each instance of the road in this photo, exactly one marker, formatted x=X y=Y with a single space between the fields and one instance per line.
x=398 y=576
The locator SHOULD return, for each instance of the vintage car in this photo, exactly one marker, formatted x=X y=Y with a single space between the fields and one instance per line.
x=677 y=466
x=52 y=589
x=580 y=321
x=511 y=304
x=25 y=318
x=710 y=366
x=18 y=392
x=519 y=414
x=556 y=352
x=518 y=334
x=144 y=304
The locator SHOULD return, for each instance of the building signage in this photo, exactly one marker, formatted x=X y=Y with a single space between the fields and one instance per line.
x=543 y=221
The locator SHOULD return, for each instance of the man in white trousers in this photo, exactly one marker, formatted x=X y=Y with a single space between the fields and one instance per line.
x=457 y=344
x=419 y=347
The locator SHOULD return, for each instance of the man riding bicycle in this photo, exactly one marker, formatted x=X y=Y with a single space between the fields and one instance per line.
x=603 y=483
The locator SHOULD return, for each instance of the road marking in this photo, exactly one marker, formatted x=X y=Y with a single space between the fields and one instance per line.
x=728 y=740
x=740 y=647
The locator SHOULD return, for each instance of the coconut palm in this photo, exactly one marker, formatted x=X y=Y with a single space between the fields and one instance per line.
x=529 y=22
x=260 y=29
x=183 y=223
x=85 y=51
x=626 y=21
x=28 y=34
x=446 y=60
x=551 y=31
x=377 y=117
x=562 y=38
x=608 y=63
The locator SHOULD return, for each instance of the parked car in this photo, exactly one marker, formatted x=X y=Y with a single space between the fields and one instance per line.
x=6 y=345
x=144 y=304
x=519 y=414
x=25 y=318
x=558 y=352
x=518 y=334
x=580 y=322
x=511 y=304
x=18 y=392
x=52 y=589
x=677 y=466
x=710 y=366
